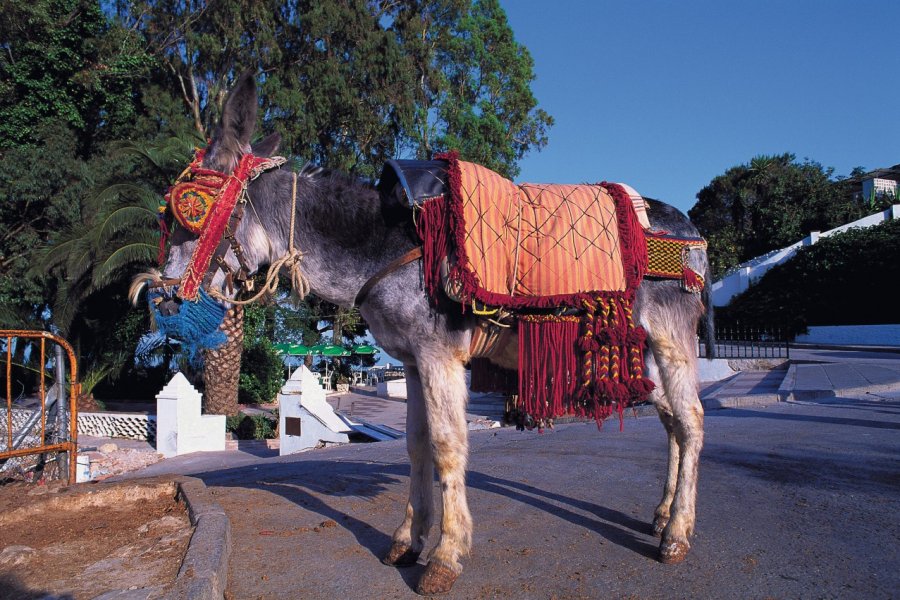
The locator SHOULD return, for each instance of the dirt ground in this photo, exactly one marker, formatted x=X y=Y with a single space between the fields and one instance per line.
x=83 y=540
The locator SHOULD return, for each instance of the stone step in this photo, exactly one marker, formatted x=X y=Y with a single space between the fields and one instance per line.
x=816 y=380
x=249 y=445
x=746 y=388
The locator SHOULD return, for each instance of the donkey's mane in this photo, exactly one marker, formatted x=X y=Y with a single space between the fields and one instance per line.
x=340 y=202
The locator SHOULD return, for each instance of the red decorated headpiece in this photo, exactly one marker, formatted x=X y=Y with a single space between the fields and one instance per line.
x=202 y=201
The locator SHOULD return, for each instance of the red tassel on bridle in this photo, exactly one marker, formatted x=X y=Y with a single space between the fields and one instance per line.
x=163 y=238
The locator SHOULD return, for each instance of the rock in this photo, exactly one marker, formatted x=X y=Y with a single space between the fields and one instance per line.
x=108 y=448
x=12 y=556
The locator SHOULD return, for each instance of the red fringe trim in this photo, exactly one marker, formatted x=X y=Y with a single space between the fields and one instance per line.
x=691 y=280
x=631 y=237
x=433 y=227
x=590 y=368
x=548 y=369
x=487 y=377
x=163 y=240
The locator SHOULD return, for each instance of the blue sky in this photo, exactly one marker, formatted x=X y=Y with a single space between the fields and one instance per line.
x=666 y=95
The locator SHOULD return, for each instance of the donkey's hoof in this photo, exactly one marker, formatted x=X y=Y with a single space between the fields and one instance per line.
x=673 y=552
x=400 y=555
x=659 y=525
x=438 y=578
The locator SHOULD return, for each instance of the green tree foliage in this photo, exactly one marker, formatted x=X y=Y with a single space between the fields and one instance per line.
x=64 y=59
x=86 y=86
x=262 y=371
x=350 y=84
x=841 y=280
x=69 y=80
x=473 y=82
x=768 y=203
x=34 y=203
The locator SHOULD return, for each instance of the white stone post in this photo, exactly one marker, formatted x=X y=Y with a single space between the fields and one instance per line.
x=304 y=417
x=180 y=428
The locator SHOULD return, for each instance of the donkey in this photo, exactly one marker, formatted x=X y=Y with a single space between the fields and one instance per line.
x=347 y=238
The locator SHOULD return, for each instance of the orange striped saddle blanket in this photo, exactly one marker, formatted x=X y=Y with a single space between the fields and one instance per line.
x=566 y=260
x=538 y=245
x=539 y=240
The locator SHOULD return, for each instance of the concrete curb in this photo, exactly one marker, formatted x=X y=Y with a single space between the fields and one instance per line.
x=787 y=384
x=204 y=571
x=749 y=400
x=788 y=393
x=805 y=395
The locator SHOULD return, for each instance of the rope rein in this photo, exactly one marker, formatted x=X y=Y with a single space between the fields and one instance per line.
x=291 y=261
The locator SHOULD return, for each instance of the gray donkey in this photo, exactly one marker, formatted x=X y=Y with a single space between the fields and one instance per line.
x=346 y=237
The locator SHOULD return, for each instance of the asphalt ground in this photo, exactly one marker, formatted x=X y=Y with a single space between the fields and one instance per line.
x=796 y=500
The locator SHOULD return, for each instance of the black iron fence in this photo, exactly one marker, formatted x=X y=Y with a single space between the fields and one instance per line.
x=746 y=343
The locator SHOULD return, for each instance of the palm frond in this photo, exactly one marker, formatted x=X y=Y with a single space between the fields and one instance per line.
x=165 y=154
x=69 y=297
x=120 y=219
x=139 y=252
x=118 y=193
x=50 y=257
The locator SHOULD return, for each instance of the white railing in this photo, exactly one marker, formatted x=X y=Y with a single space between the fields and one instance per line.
x=134 y=426
x=741 y=277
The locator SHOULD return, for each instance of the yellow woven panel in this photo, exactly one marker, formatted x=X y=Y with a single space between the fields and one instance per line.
x=668 y=256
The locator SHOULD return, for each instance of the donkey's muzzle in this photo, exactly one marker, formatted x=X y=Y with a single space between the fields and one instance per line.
x=169 y=308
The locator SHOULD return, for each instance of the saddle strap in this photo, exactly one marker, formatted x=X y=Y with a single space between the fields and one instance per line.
x=414 y=254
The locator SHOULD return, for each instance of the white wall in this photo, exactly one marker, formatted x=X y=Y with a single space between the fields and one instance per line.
x=742 y=276
x=862 y=335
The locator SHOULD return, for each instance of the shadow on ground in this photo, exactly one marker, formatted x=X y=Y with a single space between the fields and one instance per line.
x=317 y=486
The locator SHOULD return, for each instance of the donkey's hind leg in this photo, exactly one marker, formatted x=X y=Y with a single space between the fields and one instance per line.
x=658 y=397
x=444 y=384
x=671 y=322
x=409 y=539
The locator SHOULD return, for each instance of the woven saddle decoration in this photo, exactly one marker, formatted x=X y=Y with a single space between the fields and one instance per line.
x=202 y=201
x=668 y=259
x=541 y=250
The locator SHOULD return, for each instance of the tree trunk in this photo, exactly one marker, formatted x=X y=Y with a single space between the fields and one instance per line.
x=222 y=367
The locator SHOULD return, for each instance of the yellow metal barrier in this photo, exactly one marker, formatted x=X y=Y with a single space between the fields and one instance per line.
x=70 y=445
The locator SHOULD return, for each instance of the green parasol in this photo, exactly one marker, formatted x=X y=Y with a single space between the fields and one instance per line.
x=329 y=350
x=292 y=349
x=365 y=349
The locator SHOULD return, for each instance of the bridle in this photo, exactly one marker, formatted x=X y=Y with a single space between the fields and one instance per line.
x=199 y=200
x=210 y=204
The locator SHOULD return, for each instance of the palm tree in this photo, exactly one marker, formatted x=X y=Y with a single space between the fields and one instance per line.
x=119 y=237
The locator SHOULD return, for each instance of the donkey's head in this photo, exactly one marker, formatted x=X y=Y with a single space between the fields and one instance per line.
x=214 y=250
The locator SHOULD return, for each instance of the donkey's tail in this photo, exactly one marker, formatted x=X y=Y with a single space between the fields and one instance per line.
x=709 y=339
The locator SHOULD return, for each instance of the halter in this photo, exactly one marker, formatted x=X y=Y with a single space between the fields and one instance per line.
x=210 y=204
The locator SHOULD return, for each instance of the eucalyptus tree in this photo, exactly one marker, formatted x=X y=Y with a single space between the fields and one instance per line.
x=346 y=84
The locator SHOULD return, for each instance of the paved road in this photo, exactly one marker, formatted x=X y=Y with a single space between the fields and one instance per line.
x=797 y=500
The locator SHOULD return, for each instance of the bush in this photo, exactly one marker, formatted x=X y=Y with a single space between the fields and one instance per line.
x=261 y=373
x=251 y=427
x=841 y=280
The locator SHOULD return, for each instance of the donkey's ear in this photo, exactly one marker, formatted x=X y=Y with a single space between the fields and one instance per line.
x=239 y=112
x=267 y=146
x=232 y=137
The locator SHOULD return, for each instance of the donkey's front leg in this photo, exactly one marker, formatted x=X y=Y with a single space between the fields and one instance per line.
x=444 y=385
x=409 y=539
